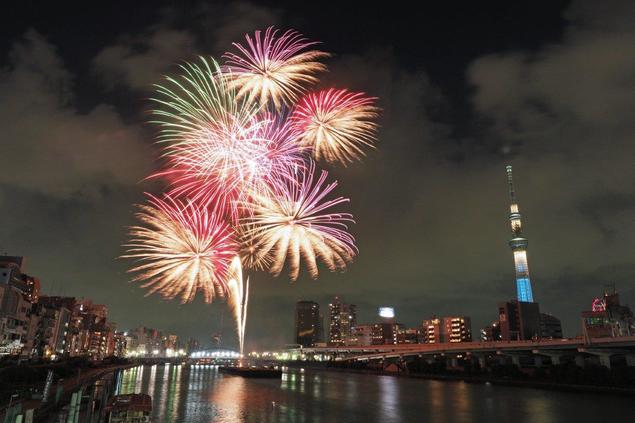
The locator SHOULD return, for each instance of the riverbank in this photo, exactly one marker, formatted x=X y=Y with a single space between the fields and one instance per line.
x=61 y=389
x=481 y=379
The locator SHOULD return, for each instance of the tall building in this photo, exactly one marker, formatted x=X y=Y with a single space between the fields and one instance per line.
x=519 y=245
x=121 y=344
x=14 y=319
x=432 y=330
x=11 y=272
x=18 y=292
x=519 y=320
x=386 y=333
x=307 y=323
x=447 y=329
x=342 y=319
x=48 y=328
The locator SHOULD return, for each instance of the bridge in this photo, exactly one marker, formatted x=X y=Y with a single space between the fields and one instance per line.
x=210 y=356
x=601 y=350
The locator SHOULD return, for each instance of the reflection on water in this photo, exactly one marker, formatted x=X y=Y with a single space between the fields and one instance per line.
x=388 y=403
x=202 y=394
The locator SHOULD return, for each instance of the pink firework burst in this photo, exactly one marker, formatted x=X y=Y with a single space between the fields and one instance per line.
x=223 y=169
x=183 y=249
x=337 y=124
x=274 y=67
x=219 y=148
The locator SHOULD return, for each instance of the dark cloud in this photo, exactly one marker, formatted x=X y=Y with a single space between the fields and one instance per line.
x=140 y=60
x=53 y=148
x=431 y=206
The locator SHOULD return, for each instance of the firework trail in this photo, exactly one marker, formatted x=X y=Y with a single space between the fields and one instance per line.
x=337 y=124
x=291 y=223
x=238 y=298
x=182 y=248
x=274 y=67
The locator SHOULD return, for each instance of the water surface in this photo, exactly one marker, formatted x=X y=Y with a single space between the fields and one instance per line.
x=202 y=394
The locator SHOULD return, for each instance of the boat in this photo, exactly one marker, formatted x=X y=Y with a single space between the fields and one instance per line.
x=129 y=408
x=252 y=371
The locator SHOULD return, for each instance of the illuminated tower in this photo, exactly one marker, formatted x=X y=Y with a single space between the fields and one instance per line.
x=518 y=245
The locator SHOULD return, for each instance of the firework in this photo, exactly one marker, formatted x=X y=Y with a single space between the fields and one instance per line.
x=243 y=192
x=291 y=223
x=182 y=248
x=218 y=150
x=272 y=67
x=238 y=297
x=205 y=132
x=337 y=124
x=250 y=254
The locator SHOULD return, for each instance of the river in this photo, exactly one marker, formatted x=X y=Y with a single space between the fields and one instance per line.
x=202 y=394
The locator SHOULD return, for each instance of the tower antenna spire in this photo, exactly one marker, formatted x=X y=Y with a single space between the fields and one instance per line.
x=510 y=182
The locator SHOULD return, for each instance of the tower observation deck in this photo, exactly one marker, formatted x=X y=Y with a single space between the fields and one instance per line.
x=518 y=244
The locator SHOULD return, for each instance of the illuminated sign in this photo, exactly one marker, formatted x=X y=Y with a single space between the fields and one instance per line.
x=387 y=312
x=598 y=305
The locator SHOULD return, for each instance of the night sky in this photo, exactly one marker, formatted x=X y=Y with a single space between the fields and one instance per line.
x=548 y=88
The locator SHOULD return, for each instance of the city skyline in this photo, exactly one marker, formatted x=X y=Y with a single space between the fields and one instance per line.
x=430 y=201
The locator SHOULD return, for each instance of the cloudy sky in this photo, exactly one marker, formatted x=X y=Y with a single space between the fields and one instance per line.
x=548 y=89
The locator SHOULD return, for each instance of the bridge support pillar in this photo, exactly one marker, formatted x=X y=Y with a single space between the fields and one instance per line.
x=605 y=360
x=515 y=359
x=602 y=355
x=579 y=360
x=553 y=356
x=555 y=359
x=482 y=362
x=502 y=360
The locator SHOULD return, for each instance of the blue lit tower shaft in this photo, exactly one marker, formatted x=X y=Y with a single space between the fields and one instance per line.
x=519 y=245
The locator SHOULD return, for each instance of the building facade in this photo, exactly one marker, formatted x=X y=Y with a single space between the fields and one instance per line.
x=519 y=320
x=608 y=318
x=18 y=292
x=48 y=328
x=307 y=323
x=491 y=332
x=550 y=326
x=342 y=320
x=447 y=329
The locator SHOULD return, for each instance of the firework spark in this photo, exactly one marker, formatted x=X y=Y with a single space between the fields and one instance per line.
x=337 y=124
x=272 y=67
x=238 y=298
x=290 y=222
x=183 y=249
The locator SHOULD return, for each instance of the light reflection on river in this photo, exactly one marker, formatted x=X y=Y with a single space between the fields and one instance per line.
x=202 y=394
